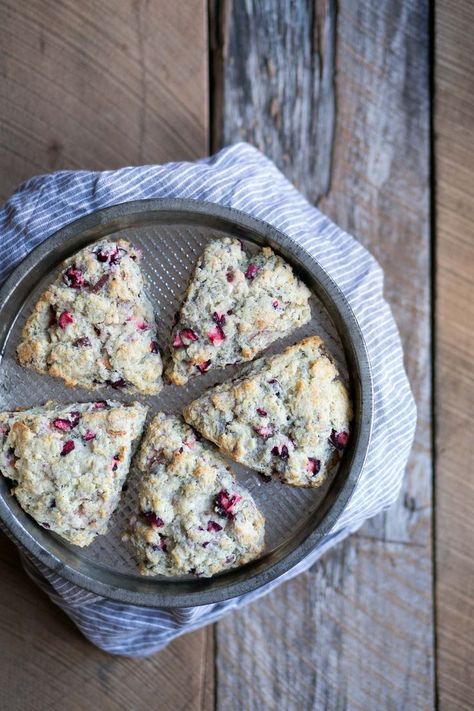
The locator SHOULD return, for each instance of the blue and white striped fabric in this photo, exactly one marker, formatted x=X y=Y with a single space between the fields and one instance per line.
x=240 y=177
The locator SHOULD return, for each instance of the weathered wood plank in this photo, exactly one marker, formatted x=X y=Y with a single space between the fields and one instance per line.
x=277 y=88
x=96 y=84
x=454 y=153
x=324 y=641
x=378 y=188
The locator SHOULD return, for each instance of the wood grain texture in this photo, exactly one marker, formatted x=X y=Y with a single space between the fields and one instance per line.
x=454 y=154
x=273 y=74
x=100 y=84
x=45 y=663
x=96 y=84
x=367 y=632
x=325 y=641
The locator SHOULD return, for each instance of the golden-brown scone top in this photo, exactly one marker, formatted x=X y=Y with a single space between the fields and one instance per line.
x=193 y=516
x=235 y=306
x=69 y=462
x=94 y=325
x=288 y=416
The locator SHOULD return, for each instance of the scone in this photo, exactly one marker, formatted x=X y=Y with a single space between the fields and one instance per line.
x=194 y=518
x=94 y=325
x=287 y=417
x=235 y=307
x=69 y=463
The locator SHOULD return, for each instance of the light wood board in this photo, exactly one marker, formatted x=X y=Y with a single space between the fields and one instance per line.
x=357 y=631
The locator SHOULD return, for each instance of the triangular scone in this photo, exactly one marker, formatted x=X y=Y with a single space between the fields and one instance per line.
x=287 y=416
x=234 y=308
x=194 y=518
x=69 y=463
x=94 y=325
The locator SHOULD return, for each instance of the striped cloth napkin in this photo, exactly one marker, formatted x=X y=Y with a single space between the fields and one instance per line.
x=239 y=177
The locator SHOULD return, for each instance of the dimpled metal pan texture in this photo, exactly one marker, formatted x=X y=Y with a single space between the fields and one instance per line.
x=171 y=234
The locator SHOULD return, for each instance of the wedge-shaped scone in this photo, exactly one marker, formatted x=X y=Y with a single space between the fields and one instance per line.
x=194 y=518
x=287 y=417
x=68 y=463
x=235 y=307
x=94 y=325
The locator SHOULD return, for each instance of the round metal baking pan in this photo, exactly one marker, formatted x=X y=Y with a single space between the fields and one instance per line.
x=171 y=234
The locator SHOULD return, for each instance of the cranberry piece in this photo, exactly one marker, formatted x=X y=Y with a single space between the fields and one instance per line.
x=338 y=439
x=102 y=255
x=88 y=436
x=4 y=430
x=117 y=255
x=116 y=461
x=252 y=271
x=83 y=341
x=116 y=384
x=273 y=381
x=67 y=447
x=100 y=405
x=64 y=319
x=62 y=424
x=313 y=466
x=230 y=275
x=265 y=431
x=224 y=503
x=163 y=544
x=216 y=335
x=261 y=412
x=187 y=334
x=45 y=525
x=74 y=418
x=280 y=450
x=204 y=365
x=154 y=347
x=153 y=520
x=143 y=326
x=113 y=257
x=213 y=527
x=73 y=278
x=275 y=303
x=100 y=283
x=177 y=342
x=218 y=318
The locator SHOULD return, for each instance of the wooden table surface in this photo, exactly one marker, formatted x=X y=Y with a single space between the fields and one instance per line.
x=368 y=107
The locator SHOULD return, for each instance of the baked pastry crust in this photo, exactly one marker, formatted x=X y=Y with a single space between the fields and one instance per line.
x=94 y=325
x=68 y=463
x=287 y=416
x=194 y=517
x=234 y=308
